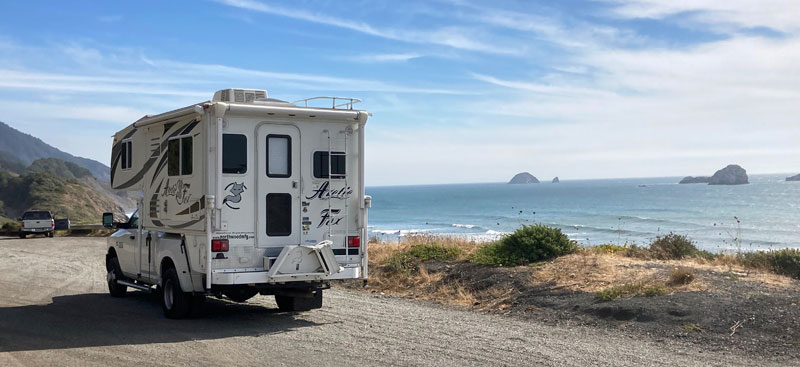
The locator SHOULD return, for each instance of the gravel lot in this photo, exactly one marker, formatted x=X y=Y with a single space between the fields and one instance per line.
x=55 y=310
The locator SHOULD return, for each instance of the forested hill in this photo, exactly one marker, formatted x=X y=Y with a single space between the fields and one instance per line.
x=26 y=149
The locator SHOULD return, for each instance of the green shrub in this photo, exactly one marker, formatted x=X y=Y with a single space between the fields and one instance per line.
x=406 y=262
x=526 y=245
x=631 y=289
x=784 y=262
x=9 y=227
x=490 y=254
x=672 y=247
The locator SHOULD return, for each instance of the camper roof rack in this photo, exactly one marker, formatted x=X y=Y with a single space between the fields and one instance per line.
x=347 y=103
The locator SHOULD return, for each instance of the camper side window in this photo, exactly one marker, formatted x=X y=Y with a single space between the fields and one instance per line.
x=336 y=165
x=234 y=153
x=126 y=154
x=179 y=156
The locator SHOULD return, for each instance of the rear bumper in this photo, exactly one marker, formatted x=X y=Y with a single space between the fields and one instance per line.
x=36 y=230
x=231 y=277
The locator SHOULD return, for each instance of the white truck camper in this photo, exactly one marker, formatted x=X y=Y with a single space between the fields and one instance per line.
x=242 y=195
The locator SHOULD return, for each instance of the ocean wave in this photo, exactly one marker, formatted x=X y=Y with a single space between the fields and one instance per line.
x=495 y=232
x=469 y=226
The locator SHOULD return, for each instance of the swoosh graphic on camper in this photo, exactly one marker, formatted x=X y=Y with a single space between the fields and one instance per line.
x=115 y=150
x=138 y=176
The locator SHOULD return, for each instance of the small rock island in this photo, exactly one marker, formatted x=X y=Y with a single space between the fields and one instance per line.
x=555 y=180
x=793 y=178
x=733 y=174
x=523 y=178
x=694 y=180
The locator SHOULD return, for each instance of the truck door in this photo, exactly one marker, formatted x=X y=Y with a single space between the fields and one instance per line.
x=278 y=150
x=128 y=246
x=146 y=252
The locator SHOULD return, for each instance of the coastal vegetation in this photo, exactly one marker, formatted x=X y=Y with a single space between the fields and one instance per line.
x=65 y=198
x=441 y=268
x=528 y=244
x=656 y=289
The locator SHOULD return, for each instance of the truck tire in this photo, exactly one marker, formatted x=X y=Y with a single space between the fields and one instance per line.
x=50 y=234
x=115 y=289
x=297 y=304
x=22 y=235
x=241 y=294
x=175 y=303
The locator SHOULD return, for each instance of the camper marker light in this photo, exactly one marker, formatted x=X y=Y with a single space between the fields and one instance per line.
x=353 y=241
x=219 y=245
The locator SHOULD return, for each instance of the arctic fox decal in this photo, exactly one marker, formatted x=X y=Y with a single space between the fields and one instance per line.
x=236 y=194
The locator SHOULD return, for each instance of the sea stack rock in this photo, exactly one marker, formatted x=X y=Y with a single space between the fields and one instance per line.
x=523 y=178
x=731 y=175
x=694 y=180
x=793 y=178
x=555 y=180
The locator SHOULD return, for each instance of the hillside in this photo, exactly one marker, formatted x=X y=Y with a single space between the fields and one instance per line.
x=8 y=162
x=45 y=191
x=26 y=149
x=60 y=168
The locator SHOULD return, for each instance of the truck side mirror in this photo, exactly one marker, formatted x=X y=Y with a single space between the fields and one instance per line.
x=108 y=220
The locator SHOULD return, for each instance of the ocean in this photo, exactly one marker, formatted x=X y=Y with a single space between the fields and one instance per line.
x=762 y=215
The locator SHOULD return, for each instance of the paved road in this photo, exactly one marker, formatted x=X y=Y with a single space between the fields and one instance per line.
x=54 y=310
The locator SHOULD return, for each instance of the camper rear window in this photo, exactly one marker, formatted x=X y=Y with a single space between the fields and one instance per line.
x=234 y=153
x=279 y=156
x=336 y=164
x=179 y=156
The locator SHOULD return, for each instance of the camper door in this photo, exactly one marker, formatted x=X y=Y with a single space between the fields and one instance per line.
x=278 y=185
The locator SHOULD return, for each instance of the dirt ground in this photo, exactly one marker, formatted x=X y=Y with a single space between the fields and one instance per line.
x=762 y=308
x=55 y=310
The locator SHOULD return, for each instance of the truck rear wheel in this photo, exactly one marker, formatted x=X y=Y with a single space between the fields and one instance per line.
x=241 y=294
x=175 y=303
x=114 y=273
x=22 y=235
x=294 y=303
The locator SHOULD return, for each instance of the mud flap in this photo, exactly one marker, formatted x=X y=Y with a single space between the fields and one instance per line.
x=305 y=262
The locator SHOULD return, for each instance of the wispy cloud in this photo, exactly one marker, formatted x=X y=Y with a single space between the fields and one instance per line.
x=451 y=36
x=381 y=58
x=781 y=15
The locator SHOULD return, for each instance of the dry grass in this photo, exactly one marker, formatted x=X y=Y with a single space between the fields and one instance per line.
x=380 y=251
x=682 y=275
x=604 y=271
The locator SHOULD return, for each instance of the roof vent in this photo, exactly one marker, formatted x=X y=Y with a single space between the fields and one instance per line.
x=238 y=95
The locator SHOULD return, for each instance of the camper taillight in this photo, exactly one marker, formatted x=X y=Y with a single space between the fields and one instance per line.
x=219 y=245
x=353 y=241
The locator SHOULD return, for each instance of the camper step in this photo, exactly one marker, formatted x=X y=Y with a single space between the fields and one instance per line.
x=134 y=285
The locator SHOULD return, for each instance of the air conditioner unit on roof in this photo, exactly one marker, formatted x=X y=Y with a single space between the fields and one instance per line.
x=239 y=95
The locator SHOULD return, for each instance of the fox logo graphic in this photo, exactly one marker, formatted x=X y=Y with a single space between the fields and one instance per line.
x=236 y=190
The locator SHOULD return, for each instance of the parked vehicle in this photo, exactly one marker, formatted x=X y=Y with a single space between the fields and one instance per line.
x=36 y=221
x=242 y=195
x=62 y=224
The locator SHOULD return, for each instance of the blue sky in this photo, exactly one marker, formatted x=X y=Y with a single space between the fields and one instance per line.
x=461 y=90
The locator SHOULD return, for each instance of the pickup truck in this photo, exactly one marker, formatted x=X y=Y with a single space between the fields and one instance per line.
x=36 y=221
